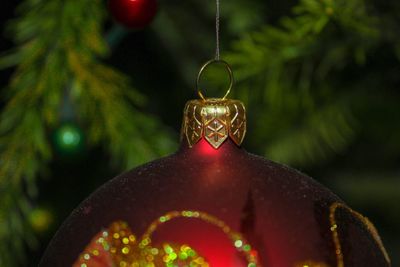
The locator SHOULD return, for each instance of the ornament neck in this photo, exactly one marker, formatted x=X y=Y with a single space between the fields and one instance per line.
x=215 y=120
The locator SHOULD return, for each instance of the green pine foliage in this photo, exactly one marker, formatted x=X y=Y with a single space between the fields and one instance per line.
x=292 y=73
x=58 y=56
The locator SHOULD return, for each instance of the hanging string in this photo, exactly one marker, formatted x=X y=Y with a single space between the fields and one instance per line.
x=217 y=16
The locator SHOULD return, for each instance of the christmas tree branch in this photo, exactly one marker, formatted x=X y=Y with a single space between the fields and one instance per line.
x=60 y=46
x=291 y=72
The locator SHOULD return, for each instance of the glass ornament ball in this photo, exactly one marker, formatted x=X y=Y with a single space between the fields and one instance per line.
x=213 y=204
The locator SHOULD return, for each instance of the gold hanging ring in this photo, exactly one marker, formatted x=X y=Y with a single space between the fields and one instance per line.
x=208 y=63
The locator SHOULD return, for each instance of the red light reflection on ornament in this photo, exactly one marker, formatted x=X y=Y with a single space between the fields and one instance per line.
x=206 y=149
x=211 y=177
x=211 y=237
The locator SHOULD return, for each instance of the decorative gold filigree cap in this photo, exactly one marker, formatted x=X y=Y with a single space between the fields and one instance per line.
x=215 y=120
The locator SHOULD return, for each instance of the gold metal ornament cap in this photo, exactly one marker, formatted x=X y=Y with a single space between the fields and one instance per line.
x=215 y=120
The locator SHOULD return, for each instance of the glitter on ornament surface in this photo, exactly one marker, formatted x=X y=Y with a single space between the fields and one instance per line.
x=311 y=264
x=335 y=234
x=118 y=246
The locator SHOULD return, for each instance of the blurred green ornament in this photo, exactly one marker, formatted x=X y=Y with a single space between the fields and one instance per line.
x=40 y=219
x=68 y=139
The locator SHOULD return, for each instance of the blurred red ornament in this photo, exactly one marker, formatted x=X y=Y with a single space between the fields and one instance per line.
x=135 y=14
x=212 y=204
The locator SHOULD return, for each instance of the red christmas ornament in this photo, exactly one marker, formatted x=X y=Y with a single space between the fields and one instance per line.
x=214 y=204
x=134 y=14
